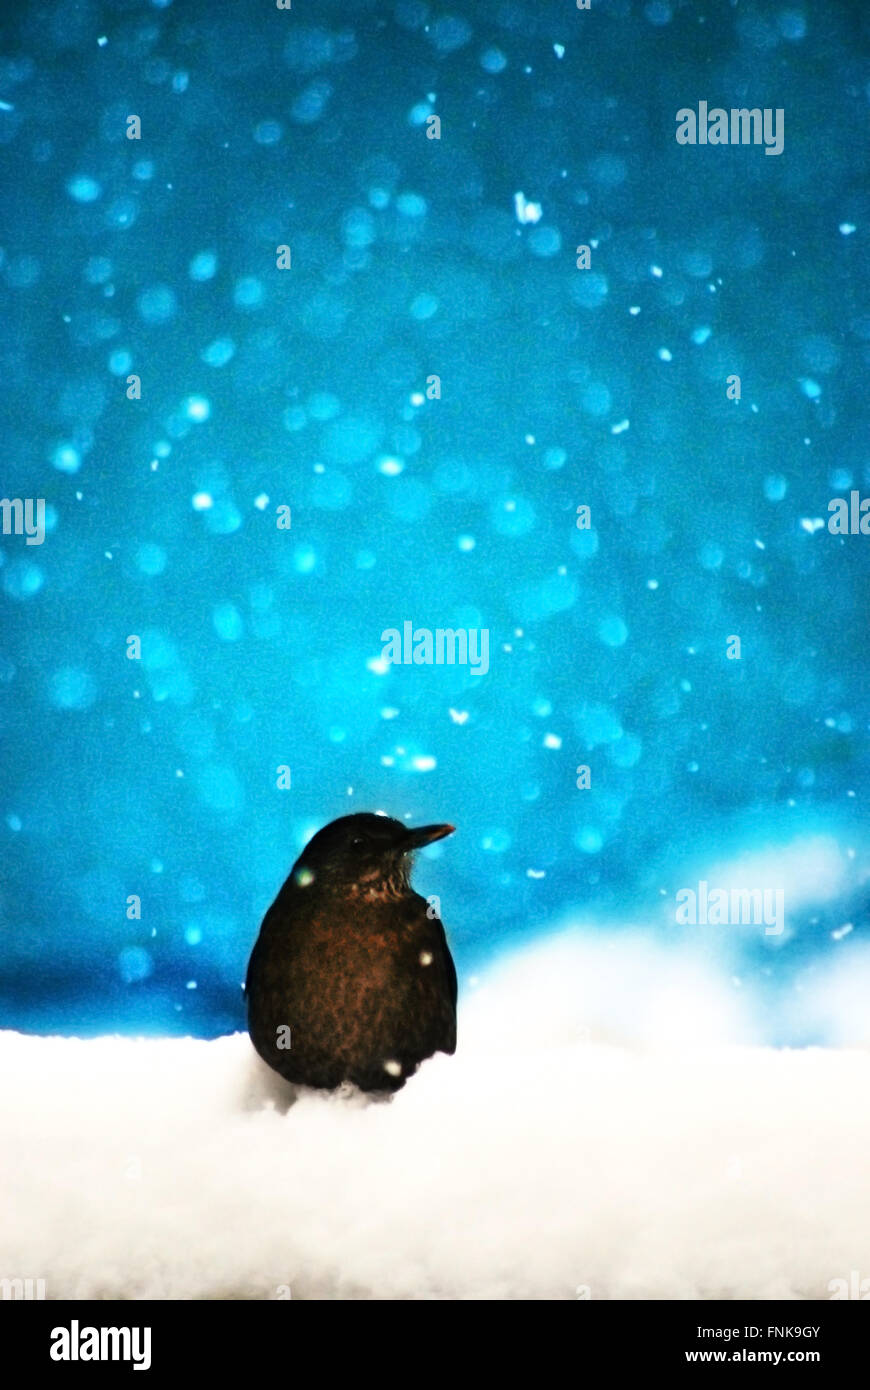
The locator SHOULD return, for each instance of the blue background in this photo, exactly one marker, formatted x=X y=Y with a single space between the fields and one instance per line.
x=262 y=387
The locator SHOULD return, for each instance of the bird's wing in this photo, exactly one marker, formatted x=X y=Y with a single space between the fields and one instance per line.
x=252 y=959
x=449 y=1043
x=257 y=951
x=448 y=962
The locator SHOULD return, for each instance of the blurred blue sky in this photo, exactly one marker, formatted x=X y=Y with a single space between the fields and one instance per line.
x=306 y=388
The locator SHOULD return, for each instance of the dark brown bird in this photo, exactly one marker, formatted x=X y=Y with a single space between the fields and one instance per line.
x=351 y=978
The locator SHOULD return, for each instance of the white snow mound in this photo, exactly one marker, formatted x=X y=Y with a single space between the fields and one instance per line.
x=609 y=1128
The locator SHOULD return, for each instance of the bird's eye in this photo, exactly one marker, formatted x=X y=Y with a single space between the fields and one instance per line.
x=360 y=840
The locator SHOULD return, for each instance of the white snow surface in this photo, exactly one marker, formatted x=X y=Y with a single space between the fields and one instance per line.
x=614 y=1125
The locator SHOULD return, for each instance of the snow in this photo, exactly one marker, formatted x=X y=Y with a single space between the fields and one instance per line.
x=576 y=1146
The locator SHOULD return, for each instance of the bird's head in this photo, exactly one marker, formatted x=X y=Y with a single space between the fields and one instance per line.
x=365 y=854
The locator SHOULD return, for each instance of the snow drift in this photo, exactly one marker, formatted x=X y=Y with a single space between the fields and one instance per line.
x=551 y=1158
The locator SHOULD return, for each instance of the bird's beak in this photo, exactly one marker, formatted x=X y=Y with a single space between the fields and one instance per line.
x=425 y=835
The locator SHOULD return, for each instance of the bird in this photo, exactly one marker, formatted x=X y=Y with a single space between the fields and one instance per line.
x=351 y=978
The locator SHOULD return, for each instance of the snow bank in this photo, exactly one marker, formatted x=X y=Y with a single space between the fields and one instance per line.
x=567 y=1150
